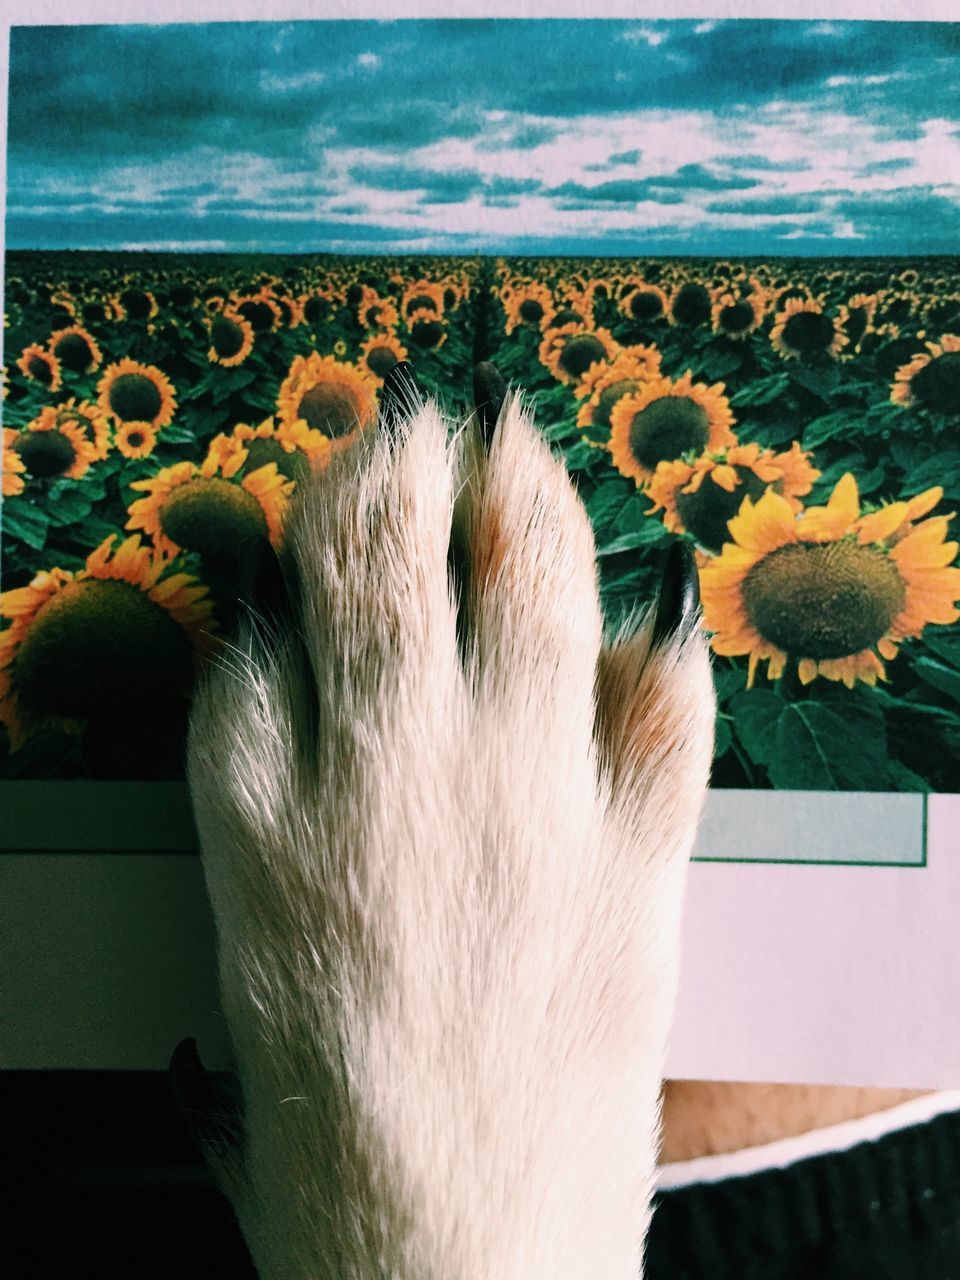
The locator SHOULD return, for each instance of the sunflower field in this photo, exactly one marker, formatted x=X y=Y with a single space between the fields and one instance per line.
x=796 y=420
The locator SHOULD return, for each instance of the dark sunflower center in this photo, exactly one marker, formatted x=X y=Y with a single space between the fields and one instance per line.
x=737 y=317
x=421 y=300
x=856 y=324
x=567 y=316
x=427 y=333
x=449 y=298
x=894 y=355
x=898 y=310
x=316 y=308
x=135 y=398
x=293 y=465
x=531 y=311
x=372 y=316
x=331 y=408
x=226 y=337
x=260 y=314
x=74 y=352
x=937 y=384
x=823 y=600
x=646 y=305
x=579 y=352
x=135 y=439
x=40 y=369
x=380 y=360
x=93 y=312
x=101 y=647
x=706 y=512
x=136 y=304
x=354 y=294
x=212 y=516
x=45 y=453
x=691 y=305
x=609 y=397
x=808 y=332
x=667 y=428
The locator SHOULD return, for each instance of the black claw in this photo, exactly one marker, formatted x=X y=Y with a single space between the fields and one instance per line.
x=489 y=393
x=399 y=394
x=679 y=592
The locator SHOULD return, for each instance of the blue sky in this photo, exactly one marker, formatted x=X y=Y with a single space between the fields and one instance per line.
x=540 y=136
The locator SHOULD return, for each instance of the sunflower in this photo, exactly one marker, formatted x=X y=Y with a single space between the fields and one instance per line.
x=329 y=395
x=13 y=466
x=49 y=447
x=802 y=332
x=132 y=392
x=374 y=312
x=295 y=448
x=666 y=419
x=316 y=307
x=737 y=315
x=855 y=319
x=137 y=304
x=530 y=304
x=426 y=329
x=380 y=353
x=231 y=339
x=691 y=305
x=339 y=347
x=422 y=295
x=136 y=439
x=259 y=309
x=207 y=509
x=604 y=384
x=76 y=350
x=931 y=381
x=700 y=495
x=122 y=635
x=835 y=590
x=40 y=366
x=646 y=303
x=569 y=350
x=86 y=417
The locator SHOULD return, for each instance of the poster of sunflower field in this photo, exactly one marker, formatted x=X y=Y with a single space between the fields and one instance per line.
x=734 y=302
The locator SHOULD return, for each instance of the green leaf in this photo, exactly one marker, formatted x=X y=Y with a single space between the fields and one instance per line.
x=648 y=535
x=904 y=779
x=70 y=507
x=176 y=433
x=820 y=382
x=761 y=391
x=826 y=427
x=819 y=749
x=605 y=503
x=24 y=521
x=582 y=456
x=945 y=644
x=941 y=469
x=756 y=713
x=722 y=738
x=939 y=675
x=719 y=361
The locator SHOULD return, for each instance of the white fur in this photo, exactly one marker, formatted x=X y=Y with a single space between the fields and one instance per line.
x=448 y=915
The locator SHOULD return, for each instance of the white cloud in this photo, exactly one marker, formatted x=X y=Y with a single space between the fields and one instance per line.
x=645 y=35
x=369 y=60
x=704 y=28
x=288 y=84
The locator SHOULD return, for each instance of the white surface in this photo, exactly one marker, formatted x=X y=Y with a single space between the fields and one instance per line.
x=813 y=974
